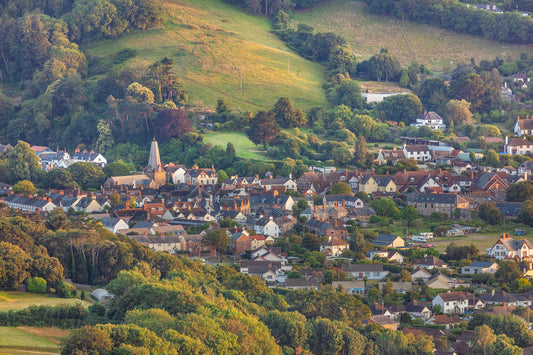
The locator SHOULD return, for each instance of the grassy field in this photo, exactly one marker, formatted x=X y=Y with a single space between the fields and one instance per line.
x=12 y=301
x=243 y=146
x=220 y=51
x=31 y=340
x=438 y=49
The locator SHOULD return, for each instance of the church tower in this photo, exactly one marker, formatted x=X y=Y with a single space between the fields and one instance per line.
x=154 y=168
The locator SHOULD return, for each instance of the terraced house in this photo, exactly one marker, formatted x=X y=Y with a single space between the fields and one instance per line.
x=427 y=203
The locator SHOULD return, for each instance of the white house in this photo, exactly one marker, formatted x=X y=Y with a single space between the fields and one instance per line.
x=30 y=204
x=417 y=152
x=451 y=302
x=509 y=248
x=368 y=271
x=430 y=119
x=114 y=224
x=523 y=127
x=351 y=287
x=89 y=157
x=519 y=146
x=267 y=227
x=334 y=246
x=177 y=174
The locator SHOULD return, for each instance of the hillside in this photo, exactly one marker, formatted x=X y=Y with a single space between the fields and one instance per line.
x=438 y=49
x=215 y=45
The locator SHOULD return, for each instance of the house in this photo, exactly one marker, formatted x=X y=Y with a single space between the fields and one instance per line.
x=334 y=246
x=444 y=320
x=490 y=8
x=522 y=127
x=240 y=242
x=281 y=182
x=389 y=241
x=88 y=204
x=519 y=146
x=54 y=160
x=509 y=248
x=29 y=204
x=267 y=226
x=201 y=177
x=114 y=224
x=176 y=174
x=89 y=157
x=264 y=202
x=440 y=282
x=390 y=255
x=417 y=309
x=368 y=271
x=430 y=262
x=346 y=201
x=384 y=321
x=489 y=181
x=480 y=267
x=134 y=181
x=417 y=152
x=40 y=149
x=351 y=287
x=324 y=229
x=169 y=244
x=427 y=203
x=398 y=286
x=386 y=156
x=101 y=294
x=377 y=183
x=451 y=302
x=430 y=119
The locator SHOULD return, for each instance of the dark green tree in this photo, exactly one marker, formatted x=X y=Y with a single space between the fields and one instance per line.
x=22 y=163
x=263 y=128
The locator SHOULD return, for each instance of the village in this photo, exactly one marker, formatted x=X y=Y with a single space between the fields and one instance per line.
x=171 y=208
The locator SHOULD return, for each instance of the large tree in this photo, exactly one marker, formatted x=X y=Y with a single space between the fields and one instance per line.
x=172 y=123
x=22 y=163
x=14 y=266
x=87 y=175
x=490 y=213
x=400 y=108
x=263 y=128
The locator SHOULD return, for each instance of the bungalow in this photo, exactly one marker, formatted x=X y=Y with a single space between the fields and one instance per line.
x=430 y=262
x=301 y=284
x=451 y=302
x=420 y=274
x=480 y=267
x=368 y=271
x=384 y=321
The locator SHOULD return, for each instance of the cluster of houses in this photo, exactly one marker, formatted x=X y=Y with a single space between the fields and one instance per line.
x=61 y=159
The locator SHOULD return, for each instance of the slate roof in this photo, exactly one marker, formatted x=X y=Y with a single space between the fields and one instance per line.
x=482 y=264
x=362 y=267
x=430 y=260
x=453 y=296
x=450 y=199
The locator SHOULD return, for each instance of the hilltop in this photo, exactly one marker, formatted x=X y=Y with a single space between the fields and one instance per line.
x=440 y=50
x=215 y=45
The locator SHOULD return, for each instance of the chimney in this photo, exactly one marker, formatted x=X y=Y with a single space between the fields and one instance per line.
x=324 y=208
x=493 y=292
x=315 y=208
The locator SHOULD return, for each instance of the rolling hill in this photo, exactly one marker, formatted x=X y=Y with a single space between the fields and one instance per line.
x=440 y=50
x=222 y=52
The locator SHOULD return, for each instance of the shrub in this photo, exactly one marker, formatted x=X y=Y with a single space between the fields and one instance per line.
x=36 y=285
x=66 y=290
x=97 y=309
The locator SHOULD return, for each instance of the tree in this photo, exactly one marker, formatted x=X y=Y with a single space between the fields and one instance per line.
x=163 y=80
x=520 y=192
x=373 y=294
x=508 y=271
x=383 y=66
x=490 y=213
x=385 y=207
x=409 y=214
x=525 y=215
x=140 y=93
x=105 y=139
x=230 y=150
x=483 y=340
x=118 y=168
x=348 y=93
x=87 y=175
x=288 y=328
x=217 y=239
x=400 y=108
x=14 y=266
x=59 y=179
x=458 y=112
x=361 y=156
x=87 y=340
x=491 y=157
x=287 y=115
x=263 y=128
x=22 y=163
x=172 y=123
x=24 y=187
x=66 y=290
x=341 y=188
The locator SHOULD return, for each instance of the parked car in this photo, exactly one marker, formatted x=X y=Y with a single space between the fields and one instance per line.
x=519 y=232
x=427 y=246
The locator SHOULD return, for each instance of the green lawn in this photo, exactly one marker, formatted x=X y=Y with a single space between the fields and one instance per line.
x=438 y=49
x=30 y=340
x=243 y=146
x=12 y=301
x=220 y=51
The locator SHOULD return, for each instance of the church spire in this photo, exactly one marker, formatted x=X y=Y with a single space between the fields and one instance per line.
x=154 y=162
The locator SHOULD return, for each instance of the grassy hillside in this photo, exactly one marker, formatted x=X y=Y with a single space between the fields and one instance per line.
x=434 y=47
x=215 y=45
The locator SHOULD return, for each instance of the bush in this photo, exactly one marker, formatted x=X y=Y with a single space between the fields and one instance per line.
x=36 y=285
x=124 y=55
x=97 y=309
x=66 y=290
